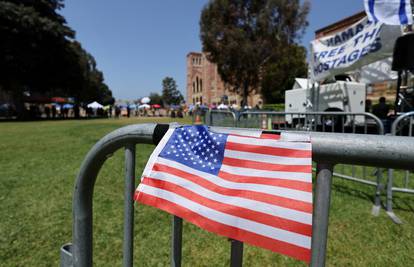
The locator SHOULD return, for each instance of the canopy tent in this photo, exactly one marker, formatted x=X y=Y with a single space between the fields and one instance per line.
x=94 y=105
x=156 y=106
x=145 y=100
x=222 y=106
x=133 y=106
x=144 y=106
x=67 y=106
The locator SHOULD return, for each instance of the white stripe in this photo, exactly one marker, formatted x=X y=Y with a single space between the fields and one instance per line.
x=294 y=176
x=260 y=188
x=244 y=132
x=247 y=225
x=290 y=214
x=266 y=158
x=157 y=150
x=293 y=137
x=269 y=143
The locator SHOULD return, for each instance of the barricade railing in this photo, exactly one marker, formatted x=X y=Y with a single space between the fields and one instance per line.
x=343 y=122
x=402 y=126
x=224 y=118
x=328 y=149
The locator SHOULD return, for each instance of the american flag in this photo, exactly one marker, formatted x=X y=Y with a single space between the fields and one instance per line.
x=255 y=188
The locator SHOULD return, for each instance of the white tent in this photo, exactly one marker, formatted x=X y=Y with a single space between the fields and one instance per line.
x=145 y=100
x=222 y=106
x=144 y=106
x=95 y=105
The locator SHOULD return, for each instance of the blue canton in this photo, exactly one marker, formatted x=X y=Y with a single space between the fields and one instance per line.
x=196 y=147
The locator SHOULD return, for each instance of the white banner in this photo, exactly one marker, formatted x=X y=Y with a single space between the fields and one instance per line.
x=379 y=71
x=361 y=44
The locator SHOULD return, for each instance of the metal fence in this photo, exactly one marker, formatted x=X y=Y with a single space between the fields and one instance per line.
x=400 y=181
x=328 y=149
x=340 y=122
x=223 y=118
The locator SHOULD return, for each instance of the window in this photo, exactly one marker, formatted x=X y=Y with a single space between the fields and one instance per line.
x=201 y=85
x=193 y=87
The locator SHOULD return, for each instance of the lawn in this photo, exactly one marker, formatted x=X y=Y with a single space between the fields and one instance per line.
x=40 y=160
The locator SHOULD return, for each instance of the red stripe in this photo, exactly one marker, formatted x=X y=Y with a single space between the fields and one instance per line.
x=274 y=221
x=267 y=150
x=270 y=136
x=278 y=246
x=297 y=185
x=243 y=163
x=262 y=197
x=262 y=136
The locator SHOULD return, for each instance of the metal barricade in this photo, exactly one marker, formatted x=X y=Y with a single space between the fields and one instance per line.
x=328 y=149
x=341 y=122
x=402 y=126
x=223 y=118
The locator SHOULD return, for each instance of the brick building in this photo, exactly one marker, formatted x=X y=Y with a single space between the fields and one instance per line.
x=204 y=84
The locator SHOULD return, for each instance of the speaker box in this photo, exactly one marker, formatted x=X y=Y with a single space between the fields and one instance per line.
x=403 y=57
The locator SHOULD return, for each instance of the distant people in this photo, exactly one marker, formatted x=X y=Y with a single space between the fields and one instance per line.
x=117 y=112
x=368 y=105
x=47 y=112
x=53 y=111
x=128 y=112
x=76 y=111
x=110 y=112
x=381 y=109
x=180 y=114
x=65 y=112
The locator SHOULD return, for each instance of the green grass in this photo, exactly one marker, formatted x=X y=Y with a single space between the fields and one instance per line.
x=40 y=160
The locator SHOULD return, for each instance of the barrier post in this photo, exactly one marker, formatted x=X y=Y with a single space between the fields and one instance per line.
x=128 y=244
x=236 y=255
x=177 y=239
x=320 y=217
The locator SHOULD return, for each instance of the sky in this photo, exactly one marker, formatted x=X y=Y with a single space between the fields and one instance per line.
x=138 y=43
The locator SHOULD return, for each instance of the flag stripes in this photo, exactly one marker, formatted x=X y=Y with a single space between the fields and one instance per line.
x=259 y=189
x=275 y=245
x=298 y=185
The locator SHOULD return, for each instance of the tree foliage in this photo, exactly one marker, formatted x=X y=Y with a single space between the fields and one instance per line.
x=170 y=93
x=279 y=75
x=38 y=53
x=156 y=99
x=246 y=38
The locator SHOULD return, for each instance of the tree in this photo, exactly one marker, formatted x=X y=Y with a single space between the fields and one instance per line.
x=155 y=98
x=279 y=75
x=246 y=37
x=170 y=93
x=39 y=54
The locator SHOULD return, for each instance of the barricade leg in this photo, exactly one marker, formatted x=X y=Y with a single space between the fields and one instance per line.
x=177 y=239
x=377 y=201
x=128 y=244
x=320 y=217
x=236 y=258
x=389 y=209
